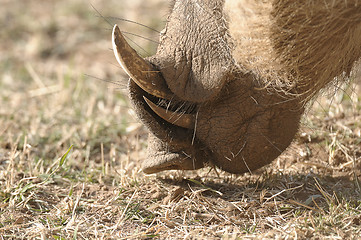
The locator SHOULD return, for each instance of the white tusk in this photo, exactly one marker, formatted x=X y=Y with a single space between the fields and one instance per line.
x=142 y=72
x=183 y=120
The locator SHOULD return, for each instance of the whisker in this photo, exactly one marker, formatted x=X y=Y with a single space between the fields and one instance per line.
x=136 y=35
x=126 y=20
x=131 y=21
x=122 y=123
x=240 y=150
x=245 y=163
x=115 y=65
x=273 y=145
x=100 y=15
x=195 y=127
x=123 y=85
x=137 y=45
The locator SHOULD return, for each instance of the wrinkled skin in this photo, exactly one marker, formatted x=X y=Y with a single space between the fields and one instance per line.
x=256 y=137
x=240 y=124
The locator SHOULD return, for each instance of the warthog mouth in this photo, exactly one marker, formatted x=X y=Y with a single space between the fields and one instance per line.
x=169 y=119
x=158 y=96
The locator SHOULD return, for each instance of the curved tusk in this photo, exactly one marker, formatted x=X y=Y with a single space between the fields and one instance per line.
x=142 y=73
x=183 y=120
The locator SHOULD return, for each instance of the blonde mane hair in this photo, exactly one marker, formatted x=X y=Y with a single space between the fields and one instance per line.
x=298 y=46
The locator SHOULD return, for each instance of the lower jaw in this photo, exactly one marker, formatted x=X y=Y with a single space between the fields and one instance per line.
x=160 y=128
x=170 y=147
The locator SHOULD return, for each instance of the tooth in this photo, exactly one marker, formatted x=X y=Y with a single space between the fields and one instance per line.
x=179 y=119
x=142 y=73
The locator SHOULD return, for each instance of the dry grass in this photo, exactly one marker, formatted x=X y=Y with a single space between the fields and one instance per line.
x=51 y=99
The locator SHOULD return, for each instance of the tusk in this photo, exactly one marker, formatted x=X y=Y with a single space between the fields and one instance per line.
x=142 y=72
x=183 y=120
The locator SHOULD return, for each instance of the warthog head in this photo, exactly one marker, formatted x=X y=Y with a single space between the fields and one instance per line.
x=229 y=81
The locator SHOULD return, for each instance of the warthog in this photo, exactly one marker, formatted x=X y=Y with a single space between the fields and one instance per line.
x=230 y=79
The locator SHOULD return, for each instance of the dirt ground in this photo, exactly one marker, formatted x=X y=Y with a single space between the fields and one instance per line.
x=71 y=148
